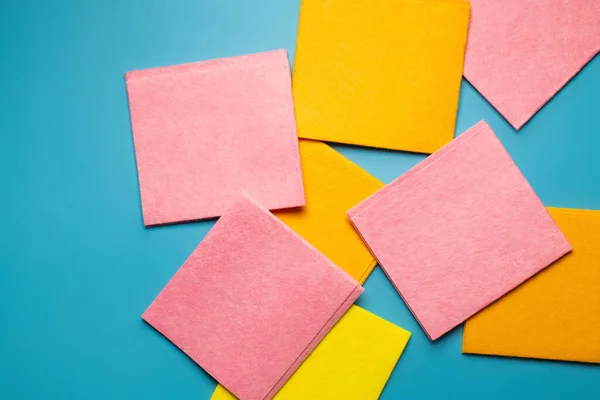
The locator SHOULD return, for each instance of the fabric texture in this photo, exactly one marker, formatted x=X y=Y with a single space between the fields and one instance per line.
x=332 y=184
x=252 y=301
x=521 y=53
x=382 y=73
x=205 y=131
x=556 y=314
x=459 y=230
x=354 y=361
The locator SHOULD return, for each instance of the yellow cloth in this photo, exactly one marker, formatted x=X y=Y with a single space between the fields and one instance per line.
x=354 y=361
x=554 y=315
x=383 y=73
x=332 y=185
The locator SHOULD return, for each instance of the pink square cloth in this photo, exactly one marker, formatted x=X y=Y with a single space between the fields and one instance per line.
x=459 y=230
x=252 y=301
x=205 y=131
x=520 y=53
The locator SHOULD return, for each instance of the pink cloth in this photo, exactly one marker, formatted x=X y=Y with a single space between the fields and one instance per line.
x=459 y=230
x=205 y=131
x=252 y=301
x=520 y=53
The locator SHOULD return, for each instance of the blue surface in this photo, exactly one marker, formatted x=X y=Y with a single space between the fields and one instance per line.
x=77 y=267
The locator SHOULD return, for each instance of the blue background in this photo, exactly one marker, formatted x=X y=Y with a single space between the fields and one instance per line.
x=77 y=267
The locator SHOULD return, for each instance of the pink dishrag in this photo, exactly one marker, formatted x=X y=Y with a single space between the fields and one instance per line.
x=252 y=301
x=459 y=230
x=205 y=131
x=520 y=53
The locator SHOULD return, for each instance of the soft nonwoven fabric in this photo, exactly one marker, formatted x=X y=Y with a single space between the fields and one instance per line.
x=381 y=73
x=252 y=301
x=354 y=361
x=554 y=315
x=459 y=230
x=205 y=131
x=520 y=53
x=332 y=184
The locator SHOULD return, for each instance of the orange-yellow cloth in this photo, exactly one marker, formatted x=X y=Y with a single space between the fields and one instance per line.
x=332 y=185
x=353 y=362
x=554 y=315
x=380 y=73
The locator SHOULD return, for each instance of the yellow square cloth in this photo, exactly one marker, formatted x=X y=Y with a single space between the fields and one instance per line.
x=354 y=361
x=554 y=315
x=332 y=185
x=380 y=73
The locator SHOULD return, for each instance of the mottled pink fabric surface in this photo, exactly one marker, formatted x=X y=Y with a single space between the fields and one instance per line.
x=459 y=230
x=205 y=131
x=522 y=52
x=252 y=301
